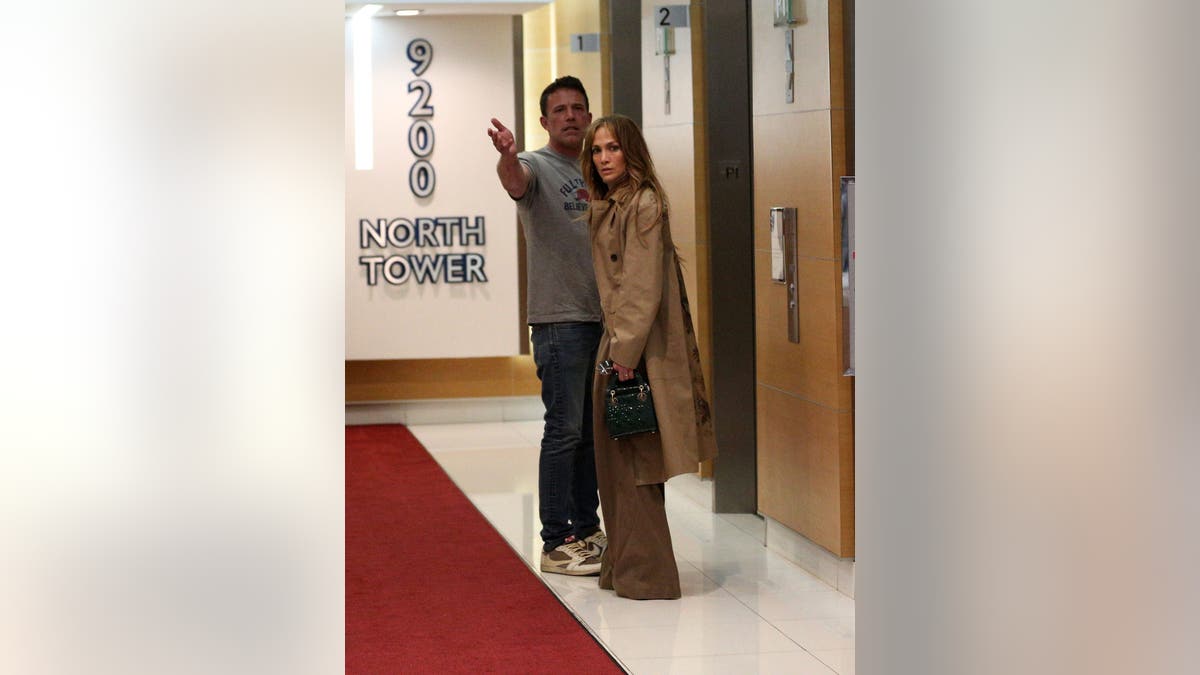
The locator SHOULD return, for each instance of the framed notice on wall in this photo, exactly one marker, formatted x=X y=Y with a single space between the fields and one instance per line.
x=431 y=241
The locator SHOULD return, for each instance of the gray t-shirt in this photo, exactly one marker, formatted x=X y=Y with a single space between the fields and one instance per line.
x=562 y=285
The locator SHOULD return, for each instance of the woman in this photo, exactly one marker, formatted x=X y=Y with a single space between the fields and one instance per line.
x=648 y=327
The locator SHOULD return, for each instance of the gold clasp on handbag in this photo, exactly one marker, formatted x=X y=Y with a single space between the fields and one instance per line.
x=630 y=408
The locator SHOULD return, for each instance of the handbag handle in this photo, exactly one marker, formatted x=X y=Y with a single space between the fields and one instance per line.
x=605 y=367
x=639 y=380
x=617 y=388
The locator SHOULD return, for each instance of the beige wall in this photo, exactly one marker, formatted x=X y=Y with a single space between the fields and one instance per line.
x=458 y=320
x=547 y=55
x=805 y=405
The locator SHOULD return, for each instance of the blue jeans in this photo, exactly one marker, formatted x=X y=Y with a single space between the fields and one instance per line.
x=565 y=355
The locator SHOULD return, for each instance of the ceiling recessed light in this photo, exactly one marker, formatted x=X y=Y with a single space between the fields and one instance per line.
x=407 y=12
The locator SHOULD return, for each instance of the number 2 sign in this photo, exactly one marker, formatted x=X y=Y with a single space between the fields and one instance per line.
x=670 y=16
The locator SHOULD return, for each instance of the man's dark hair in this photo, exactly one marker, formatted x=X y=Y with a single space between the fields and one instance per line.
x=564 y=82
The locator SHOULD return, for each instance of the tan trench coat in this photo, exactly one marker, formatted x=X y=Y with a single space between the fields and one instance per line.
x=646 y=317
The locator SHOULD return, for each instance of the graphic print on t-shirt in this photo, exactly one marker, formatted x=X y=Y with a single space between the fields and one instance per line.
x=576 y=192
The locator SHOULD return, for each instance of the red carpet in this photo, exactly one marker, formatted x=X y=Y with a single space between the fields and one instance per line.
x=431 y=587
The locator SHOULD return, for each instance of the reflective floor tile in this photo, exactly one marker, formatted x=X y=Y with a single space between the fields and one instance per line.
x=745 y=608
x=789 y=663
x=707 y=638
x=820 y=634
x=448 y=437
x=840 y=660
x=531 y=431
x=788 y=606
x=687 y=612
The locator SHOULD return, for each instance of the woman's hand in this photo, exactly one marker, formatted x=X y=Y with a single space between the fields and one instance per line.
x=623 y=373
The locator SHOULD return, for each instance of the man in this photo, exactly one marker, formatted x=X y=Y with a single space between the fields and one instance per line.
x=564 y=312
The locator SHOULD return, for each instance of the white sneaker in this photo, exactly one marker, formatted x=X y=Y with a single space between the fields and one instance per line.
x=598 y=541
x=573 y=557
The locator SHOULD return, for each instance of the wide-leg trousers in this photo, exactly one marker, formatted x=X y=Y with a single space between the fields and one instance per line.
x=640 y=561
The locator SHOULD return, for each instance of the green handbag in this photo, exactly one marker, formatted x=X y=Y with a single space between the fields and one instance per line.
x=628 y=407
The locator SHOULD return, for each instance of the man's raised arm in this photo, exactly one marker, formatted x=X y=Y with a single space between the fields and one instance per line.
x=514 y=175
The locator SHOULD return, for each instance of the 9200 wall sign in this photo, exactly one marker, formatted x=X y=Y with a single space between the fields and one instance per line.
x=421 y=177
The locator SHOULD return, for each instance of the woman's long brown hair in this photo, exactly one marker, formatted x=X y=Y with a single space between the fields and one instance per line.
x=638 y=165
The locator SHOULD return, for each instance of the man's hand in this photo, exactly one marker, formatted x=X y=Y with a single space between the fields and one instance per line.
x=513 y=175
x=503 y=139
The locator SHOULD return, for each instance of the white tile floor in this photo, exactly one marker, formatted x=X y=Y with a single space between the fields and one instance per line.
x=744 y=608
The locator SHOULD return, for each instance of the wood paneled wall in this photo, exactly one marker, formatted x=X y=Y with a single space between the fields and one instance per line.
x=804 y=404
x=412 y=379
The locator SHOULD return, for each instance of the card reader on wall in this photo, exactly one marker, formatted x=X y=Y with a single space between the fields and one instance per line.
x=783 y=265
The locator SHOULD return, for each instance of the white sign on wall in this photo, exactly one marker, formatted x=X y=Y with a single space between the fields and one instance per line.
x=431 y=241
